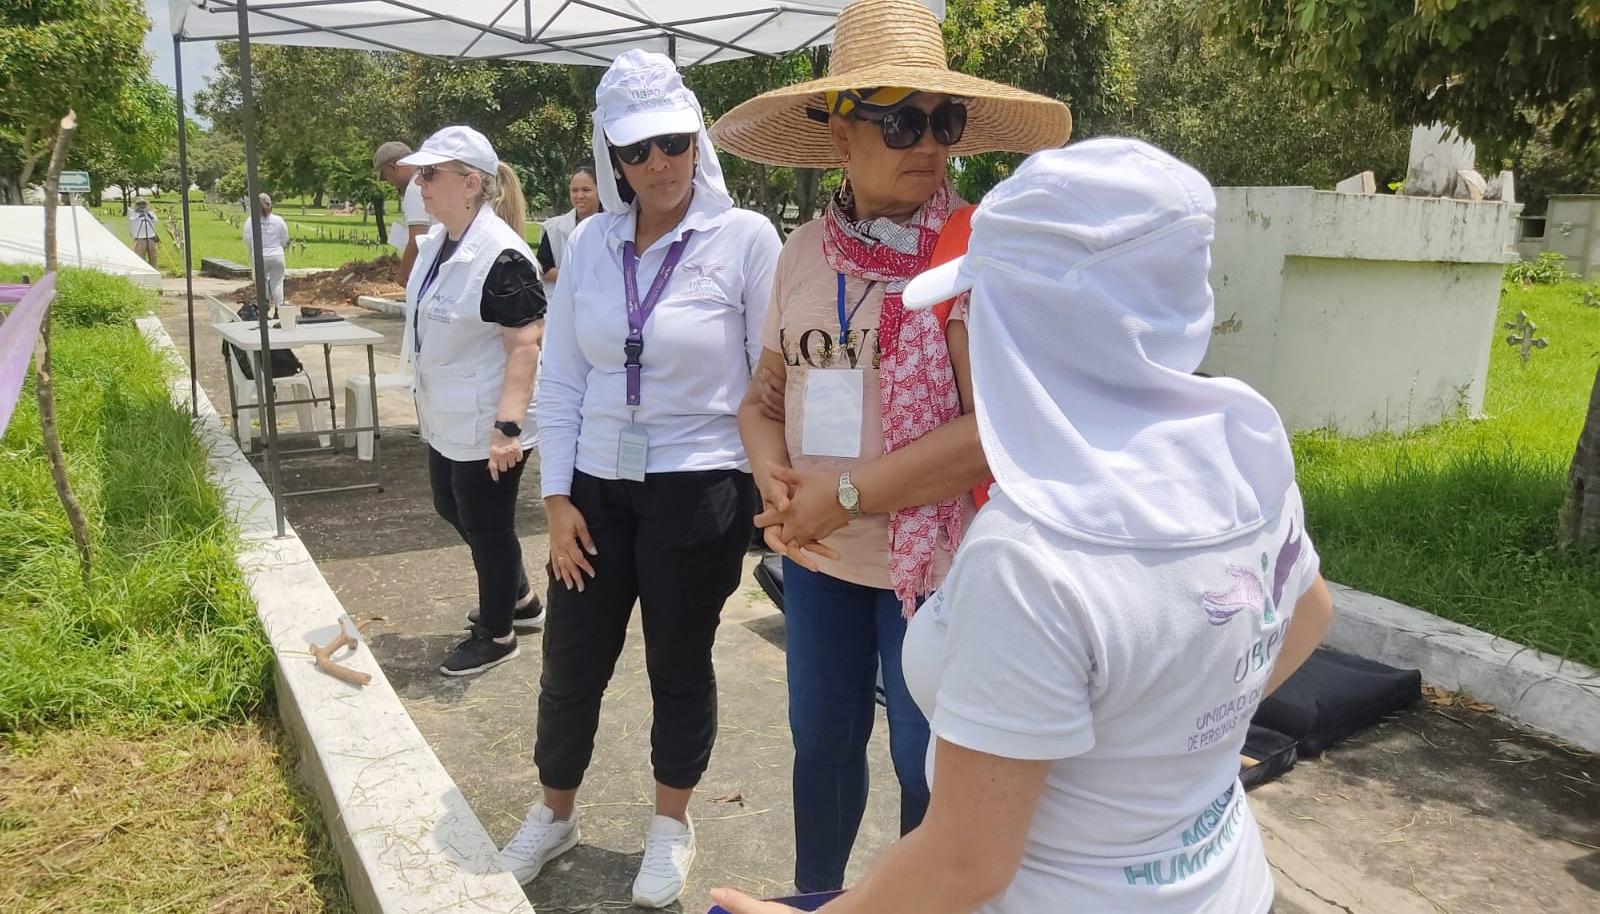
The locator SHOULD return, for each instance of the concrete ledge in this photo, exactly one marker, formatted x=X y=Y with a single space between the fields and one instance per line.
x=408 y=841
x=1558 y=696
x=382 y=305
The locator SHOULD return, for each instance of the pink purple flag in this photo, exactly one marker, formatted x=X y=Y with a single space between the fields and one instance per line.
x=17 y=334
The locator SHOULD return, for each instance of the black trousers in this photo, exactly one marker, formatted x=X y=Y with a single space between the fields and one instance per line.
x=675 y=542
x=484 y=512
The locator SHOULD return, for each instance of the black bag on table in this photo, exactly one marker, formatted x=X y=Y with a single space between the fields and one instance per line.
x=284 y=361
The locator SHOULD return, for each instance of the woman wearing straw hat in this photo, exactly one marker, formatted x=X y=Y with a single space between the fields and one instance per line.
x=653 y=329
x=864 y=482
x=1140 y=579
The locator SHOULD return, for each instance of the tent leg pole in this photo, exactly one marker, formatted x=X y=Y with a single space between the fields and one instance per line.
x=188 y=257
x=247 y=109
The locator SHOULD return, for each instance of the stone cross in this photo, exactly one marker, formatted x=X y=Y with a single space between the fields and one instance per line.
x=1524 y=338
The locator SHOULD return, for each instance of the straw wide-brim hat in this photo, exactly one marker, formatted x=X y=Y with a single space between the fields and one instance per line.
x=881 y=43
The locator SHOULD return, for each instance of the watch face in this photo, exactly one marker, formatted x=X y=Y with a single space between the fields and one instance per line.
x=849 y=497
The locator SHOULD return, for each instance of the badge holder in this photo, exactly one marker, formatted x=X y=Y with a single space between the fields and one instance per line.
x=633 y=445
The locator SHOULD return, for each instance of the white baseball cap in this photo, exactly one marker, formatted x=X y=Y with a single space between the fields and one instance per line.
x=456 y=144
x=1064 y=205
x=641 y=96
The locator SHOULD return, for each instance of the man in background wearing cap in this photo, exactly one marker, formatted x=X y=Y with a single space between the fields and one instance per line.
x=142 y=229
x=414 y=221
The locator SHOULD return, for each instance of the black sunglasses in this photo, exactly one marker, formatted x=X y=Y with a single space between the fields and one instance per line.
x=904 y=127
x=673 y=144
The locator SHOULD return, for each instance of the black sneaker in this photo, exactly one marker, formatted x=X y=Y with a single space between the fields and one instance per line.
x=478 y=653
x=525 y=619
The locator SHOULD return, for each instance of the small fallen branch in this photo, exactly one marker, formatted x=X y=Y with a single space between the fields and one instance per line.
x=323 y=656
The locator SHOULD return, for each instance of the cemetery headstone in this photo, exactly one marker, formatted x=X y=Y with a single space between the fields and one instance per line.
x=1525 y=338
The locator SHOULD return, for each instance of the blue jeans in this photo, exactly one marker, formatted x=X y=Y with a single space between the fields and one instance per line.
x=837 y=635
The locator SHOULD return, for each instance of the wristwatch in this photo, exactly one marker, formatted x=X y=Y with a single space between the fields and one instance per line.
x=849 y=496
x=509 y=429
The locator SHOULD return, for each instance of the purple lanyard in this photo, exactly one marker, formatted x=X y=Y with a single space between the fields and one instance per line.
x=639 y=312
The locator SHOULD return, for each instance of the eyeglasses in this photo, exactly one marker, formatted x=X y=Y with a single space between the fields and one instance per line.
x=904 y=127
x=673 y=144
x=426 y=173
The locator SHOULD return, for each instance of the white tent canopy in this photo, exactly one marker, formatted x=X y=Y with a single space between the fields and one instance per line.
x=590 y=32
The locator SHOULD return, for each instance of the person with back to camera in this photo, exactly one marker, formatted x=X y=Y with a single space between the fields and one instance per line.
x=1139 y=580
x=477 y=319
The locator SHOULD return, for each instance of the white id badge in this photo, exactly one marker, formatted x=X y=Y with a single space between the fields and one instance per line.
x=834 y=399
x=633 y=453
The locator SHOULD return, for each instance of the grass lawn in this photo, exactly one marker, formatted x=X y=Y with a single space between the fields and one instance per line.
x=1461 y=519
x=217 y=232
x=141 y=768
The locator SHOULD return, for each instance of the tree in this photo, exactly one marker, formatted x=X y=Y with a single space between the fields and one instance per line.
x=129 y=149
x=1499 y=71
x=61 y=54
x=1197 y=97
x=1492 y=69
x=214 y=154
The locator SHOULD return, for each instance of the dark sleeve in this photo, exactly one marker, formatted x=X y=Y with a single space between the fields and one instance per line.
x=513 y=296
x=547 y=257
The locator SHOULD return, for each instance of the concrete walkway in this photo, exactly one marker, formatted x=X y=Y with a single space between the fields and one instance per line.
x=1437 y=811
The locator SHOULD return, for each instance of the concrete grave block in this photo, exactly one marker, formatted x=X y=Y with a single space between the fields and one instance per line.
x=1437 y=153
x=1469 y=185
x=1363 y=183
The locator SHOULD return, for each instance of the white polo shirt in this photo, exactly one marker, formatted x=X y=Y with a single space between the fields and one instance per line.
x=413 y=211
x=700 y=344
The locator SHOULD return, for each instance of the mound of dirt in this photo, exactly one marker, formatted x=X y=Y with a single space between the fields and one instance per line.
x=340 y=286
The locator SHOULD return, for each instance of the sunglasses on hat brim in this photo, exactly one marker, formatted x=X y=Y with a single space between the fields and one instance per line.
x=673 y=144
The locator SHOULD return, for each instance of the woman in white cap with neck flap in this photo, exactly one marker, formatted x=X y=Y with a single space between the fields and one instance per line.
x=476 y=318
x=654 y=326
x=1140 y=579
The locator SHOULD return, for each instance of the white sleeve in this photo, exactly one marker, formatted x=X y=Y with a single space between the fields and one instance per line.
x=416 y=211
x=760 y=267
x=1015 y=681
x=563 y=380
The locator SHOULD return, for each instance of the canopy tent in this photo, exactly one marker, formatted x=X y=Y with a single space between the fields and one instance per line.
x=547 y=31
x=589 y=32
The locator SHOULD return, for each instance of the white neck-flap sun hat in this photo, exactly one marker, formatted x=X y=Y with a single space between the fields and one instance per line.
x=641 y=96
x=1090 y=312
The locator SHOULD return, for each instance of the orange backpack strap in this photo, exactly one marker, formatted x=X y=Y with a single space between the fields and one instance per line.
x=952 y=244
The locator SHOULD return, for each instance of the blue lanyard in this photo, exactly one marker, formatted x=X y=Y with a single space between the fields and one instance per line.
x=845 y=319
x=427 y=280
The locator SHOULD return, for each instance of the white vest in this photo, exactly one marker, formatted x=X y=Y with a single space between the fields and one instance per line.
x=558 y=229
x=461 y=366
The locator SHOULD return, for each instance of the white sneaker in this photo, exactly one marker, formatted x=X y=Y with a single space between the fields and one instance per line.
x=540 y=840
x=668 y=853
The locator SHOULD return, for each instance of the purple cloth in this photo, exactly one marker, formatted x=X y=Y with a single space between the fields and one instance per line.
x=17 y=334
x=13 y=291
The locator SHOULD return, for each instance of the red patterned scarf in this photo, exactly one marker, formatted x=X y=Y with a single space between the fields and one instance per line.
x=917 y=385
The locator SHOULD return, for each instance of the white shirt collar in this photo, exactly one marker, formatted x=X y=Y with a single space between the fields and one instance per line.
x=705 y=213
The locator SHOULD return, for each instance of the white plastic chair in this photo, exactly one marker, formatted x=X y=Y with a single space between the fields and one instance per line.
x=358 y=396
x=297 y=386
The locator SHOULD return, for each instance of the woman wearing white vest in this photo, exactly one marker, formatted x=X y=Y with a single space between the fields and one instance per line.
x=584 y=193
x=477 y=312
x=653 y=328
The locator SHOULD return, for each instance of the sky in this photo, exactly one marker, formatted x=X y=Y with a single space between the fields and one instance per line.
x=199 y=57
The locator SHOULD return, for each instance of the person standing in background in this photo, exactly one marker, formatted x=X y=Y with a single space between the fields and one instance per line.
x=476 y=324
x=274 y=243
x=414 y=218
x=585 y=197
x=142 y=229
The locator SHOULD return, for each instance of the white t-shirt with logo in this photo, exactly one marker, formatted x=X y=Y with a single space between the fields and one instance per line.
x=1136 y=673
x=413 y=211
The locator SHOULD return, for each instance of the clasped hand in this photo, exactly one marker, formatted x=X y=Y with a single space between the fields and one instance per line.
x=800 y=508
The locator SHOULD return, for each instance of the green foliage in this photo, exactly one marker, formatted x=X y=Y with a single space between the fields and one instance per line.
x=61 y=54
x=1481 y=66
x=168 y=632
x=1549 y=268
x=1462 y=519
x=130 y=149
x=1198 y=98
